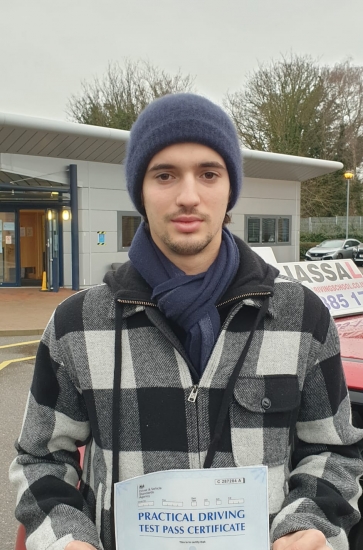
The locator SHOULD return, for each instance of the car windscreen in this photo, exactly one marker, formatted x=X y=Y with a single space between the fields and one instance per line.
x=331 y=244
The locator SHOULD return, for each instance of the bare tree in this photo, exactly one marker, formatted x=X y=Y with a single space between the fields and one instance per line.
x=117 y=98
x=283 y=107
x=347 y=82
x=294 y=106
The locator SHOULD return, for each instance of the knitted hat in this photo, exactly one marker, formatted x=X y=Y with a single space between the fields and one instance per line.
x=181 y=118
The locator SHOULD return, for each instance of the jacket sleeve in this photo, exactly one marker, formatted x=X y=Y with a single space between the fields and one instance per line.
x=47 y=470
x=327 y=463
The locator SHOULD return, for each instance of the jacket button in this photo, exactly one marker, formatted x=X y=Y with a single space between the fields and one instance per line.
x=266 y=403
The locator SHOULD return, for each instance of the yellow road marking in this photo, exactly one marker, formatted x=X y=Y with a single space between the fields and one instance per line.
x=20 y=344
x=6 y=363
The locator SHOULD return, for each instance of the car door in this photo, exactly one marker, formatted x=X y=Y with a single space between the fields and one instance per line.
x=348 y=248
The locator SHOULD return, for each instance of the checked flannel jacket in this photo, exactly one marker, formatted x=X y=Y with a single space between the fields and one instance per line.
x=290 y=408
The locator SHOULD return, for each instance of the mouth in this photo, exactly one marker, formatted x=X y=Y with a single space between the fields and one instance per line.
x=187 y=224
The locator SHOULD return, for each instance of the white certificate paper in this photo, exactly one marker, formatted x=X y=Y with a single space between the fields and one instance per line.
x=211 y=509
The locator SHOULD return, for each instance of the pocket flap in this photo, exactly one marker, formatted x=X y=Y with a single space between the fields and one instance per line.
x=268 y=394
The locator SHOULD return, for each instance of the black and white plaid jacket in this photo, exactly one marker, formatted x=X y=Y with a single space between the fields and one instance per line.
x=291 y=389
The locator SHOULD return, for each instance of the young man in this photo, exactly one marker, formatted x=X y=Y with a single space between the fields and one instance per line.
x=196 y=353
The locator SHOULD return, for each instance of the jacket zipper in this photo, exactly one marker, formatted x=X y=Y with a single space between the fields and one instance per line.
x=136 y=303
x=193 y=394
x=140 y=303
x=193 y=399
x=244 y=296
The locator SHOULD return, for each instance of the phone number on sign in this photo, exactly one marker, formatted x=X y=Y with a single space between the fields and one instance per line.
x=338 y=301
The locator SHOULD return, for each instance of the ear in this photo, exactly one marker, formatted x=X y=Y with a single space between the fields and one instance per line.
x=143 y=206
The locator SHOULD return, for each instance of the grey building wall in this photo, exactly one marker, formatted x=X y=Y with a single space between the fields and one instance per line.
x=102 y=193
x=270 y=198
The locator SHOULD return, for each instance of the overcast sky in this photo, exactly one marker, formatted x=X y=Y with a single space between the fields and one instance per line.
x=47 y=47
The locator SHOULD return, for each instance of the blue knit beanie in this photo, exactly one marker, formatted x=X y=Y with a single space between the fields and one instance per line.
x=181 y=118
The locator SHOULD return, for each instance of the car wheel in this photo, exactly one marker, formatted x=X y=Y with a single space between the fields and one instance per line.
x=339 y=256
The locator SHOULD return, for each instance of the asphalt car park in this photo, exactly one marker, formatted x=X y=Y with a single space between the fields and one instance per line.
x=16 y=371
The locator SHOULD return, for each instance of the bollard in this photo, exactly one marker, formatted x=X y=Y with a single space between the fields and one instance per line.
x=44 y=282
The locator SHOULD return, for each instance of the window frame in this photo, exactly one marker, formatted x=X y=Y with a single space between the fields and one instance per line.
x=120 y=215
x=260 y=218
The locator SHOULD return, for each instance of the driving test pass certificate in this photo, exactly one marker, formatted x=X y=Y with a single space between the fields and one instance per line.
x=193 y=509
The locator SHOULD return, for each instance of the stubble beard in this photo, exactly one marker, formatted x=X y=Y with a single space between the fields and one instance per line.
x=186 y=248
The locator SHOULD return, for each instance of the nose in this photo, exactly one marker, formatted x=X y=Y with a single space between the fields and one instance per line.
x=188 y=191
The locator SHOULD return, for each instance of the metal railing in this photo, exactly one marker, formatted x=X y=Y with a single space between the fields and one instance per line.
x=331 y=224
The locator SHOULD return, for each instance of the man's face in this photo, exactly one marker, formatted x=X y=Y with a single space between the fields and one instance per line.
x=185 y=194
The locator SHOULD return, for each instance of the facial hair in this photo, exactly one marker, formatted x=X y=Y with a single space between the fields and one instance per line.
x=186 y=248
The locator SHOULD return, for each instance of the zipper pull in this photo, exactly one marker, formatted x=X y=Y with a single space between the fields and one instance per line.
x=193 y=394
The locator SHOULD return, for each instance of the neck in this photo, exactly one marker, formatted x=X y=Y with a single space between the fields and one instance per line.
x=192 y=265
x=195 y=263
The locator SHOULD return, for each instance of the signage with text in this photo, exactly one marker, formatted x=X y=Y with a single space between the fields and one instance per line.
x=339 y=283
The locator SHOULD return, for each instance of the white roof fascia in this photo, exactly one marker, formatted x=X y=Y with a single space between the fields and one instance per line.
x=291 y=159
x=58 y=126
x=25 y=135
x=43 y=168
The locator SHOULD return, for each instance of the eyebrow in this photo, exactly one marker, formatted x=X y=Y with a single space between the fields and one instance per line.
x=156 y=167
x=209 y=164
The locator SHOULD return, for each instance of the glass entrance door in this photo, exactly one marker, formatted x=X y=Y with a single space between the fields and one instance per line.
x=8 y=250
x=52 y=249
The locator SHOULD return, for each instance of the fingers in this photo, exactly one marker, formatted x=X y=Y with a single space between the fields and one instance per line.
x=79 y=545
x=311 y=539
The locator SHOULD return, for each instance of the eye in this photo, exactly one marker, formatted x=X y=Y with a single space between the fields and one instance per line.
x=210 y=175
x=164 y=176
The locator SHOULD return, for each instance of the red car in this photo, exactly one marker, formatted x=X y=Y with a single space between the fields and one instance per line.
x=350 y=331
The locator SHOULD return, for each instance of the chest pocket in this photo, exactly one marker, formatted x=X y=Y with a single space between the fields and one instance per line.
x=262 y=416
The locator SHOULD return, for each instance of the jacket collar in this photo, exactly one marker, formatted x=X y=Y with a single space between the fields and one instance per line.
x=253 y=281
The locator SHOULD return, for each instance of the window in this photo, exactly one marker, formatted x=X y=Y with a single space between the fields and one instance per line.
x=253 y=230
x=127 y=224
x=268 y=230
x=283 y=230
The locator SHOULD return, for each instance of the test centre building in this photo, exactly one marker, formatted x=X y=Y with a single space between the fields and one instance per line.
x=65 y=211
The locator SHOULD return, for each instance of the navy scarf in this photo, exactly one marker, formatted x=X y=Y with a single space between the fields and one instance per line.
x=188 y=300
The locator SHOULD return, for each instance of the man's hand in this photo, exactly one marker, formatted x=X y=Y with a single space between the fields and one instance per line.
x=79 y=545
x=312 y=539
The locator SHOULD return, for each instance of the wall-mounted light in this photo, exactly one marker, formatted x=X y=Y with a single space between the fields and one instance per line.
x=66 y=215
x=50 y=215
